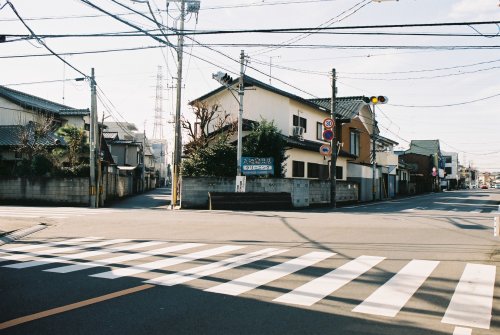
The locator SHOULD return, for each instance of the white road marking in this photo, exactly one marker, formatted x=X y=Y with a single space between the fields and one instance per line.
x=87 y=254
x=60 y=250
x=462 y=331
x=124 y=258
x=8 y=256
x=210 y=269
x=315 y=290
x=471 y=304
x=256 y=279
x=163 y=263
x=388 y=299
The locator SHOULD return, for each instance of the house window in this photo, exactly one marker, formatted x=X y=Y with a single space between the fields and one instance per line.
x=319 y=131
x=447 y=159
x=298 y=169
x=354 y=147
x=339 y=170
x=447 y=170
x=317 y=171
x=300 y=122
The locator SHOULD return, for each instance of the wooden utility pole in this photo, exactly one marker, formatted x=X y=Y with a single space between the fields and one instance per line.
x=333 y=144
x=93 y=140
x=178 y=138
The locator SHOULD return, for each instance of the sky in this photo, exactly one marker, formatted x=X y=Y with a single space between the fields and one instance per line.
x=436 y=89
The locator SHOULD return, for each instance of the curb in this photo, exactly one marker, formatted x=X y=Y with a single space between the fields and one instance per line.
x=18 y=234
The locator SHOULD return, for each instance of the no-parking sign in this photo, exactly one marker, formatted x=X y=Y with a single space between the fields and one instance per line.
x=328 y=134
x=325 y=150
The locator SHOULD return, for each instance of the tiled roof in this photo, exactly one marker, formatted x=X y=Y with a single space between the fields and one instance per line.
x=110 y=135
x=130 y=142
x=311 y=146
x=9 y=136
x=33 y=102
x=424 y=147
x=346 y=107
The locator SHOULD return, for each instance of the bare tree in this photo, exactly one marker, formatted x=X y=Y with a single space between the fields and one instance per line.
x=210 y=122
x=34 y=137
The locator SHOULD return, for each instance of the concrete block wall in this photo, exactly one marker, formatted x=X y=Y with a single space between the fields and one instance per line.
x=305 y=192
x=61 y=190
x=319 y=191
x=194 y=190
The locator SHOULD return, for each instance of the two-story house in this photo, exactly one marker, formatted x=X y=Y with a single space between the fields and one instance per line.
x=300 y=121
x=19 y=109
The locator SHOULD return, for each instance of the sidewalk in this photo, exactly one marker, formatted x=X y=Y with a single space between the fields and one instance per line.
x=10 y=225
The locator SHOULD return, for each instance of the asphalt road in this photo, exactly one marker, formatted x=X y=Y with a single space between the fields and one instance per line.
x=421 y=265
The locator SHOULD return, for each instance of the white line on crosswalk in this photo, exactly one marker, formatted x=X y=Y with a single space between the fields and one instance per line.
x=388 y=299
x=471 y=304
x=462 y=331
x=49 y=244
x=210 y=269
x=163 y=263
x=124 y=258
x=253 y=280
x=315 y=290
x=61 y=250
x=86 y=254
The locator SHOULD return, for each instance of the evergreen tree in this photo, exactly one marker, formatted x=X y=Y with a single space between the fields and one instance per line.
x=265 y=140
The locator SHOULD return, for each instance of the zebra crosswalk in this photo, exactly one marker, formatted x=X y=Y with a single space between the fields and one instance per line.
x=53 y=213
x=470 y=304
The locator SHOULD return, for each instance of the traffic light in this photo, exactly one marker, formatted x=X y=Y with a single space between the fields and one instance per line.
x=376 y=100
x=222 y=78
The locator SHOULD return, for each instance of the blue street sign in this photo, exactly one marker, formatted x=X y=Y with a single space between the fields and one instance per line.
x=257 y=166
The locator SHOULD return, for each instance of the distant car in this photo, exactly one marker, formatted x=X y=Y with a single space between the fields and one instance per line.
x=497 y=186
x=484 y=187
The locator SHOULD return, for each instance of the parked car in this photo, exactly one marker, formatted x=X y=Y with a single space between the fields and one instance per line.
x=497 y=186
x=484 y=187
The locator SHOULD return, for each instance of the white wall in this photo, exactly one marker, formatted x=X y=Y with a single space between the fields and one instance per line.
x=12 y=114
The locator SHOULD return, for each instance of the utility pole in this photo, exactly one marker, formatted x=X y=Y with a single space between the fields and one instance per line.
x=93 y=140
x=334 y=144
x=241 y=92
x=178 y=139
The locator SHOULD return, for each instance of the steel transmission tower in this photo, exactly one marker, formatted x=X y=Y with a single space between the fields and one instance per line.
x=159 y=124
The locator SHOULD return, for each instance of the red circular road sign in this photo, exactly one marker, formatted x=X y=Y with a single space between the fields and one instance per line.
x=325 y=150
x=328 y=123
x=328 y=134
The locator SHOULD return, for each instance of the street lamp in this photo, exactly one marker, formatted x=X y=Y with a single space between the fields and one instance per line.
x=225 y=80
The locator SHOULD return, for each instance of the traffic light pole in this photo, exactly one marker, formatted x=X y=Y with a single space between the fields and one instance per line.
x=374 y=152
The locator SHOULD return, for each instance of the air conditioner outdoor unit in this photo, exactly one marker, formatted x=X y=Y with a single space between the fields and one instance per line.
x=298 y=132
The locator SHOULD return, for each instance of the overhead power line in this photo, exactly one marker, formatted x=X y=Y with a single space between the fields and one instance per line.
x=42 y=42
x=305 y=29
x=447 y=105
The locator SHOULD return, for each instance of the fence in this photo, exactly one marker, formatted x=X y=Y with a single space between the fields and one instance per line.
x=305 y=192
